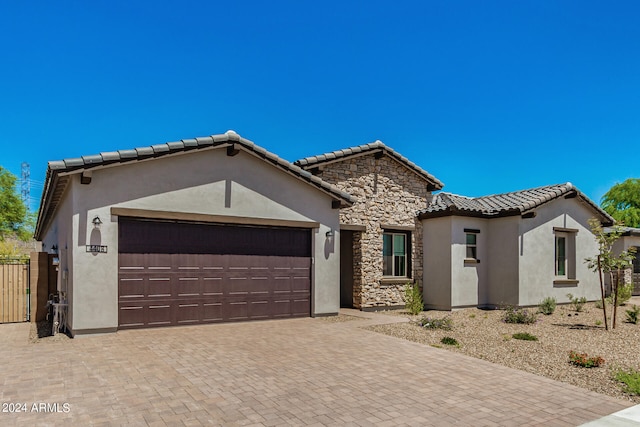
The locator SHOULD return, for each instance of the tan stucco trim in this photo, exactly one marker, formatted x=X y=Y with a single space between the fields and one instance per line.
x=565 y=230
x=353 y=227
x=225 y=219
x=397 y=227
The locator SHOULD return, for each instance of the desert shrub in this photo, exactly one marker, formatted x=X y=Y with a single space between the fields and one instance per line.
x=413 y=298
x=633 y=315
x=518 y=315
x=431 y=323
x=577 y=303
x=547 y=306
x=525 y=336
x=598 y=304
x=624 y=294
x=583 y=360
x=449 y=341
x=630 y=379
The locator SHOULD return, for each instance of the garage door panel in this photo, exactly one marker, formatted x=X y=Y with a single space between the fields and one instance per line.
x=189 y=313
x=159 y=289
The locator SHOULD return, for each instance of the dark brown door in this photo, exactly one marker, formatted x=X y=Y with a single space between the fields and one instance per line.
x=173 y=273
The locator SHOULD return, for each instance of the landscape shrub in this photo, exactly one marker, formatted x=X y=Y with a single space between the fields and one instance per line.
x=413 y=298
x=633 y=315
x=449 y=341
x=624 y=294
x=547 y=306
x=578 y=303
x=432 y=323
x=518 y=315
x=631 y=380
x=583 y=360
x=525 y=336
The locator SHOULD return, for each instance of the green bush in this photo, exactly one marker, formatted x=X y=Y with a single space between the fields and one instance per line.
x=449 y=341
x=429 y=323
x=624 y=294
x=547 y=306
x=413 y=298
x=631 y=380
x=598 y=304
x=633 y=315
x=518 y=315
x=525 y=336
x=583 y=360
x=578 y=303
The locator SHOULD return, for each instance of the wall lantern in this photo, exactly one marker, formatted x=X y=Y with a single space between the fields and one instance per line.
x=54 y=249
x=329 y=234
x=96 y=221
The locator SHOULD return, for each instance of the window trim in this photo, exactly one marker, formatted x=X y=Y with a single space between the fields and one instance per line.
x=473 y=246
x=569 y=277
x=407 y=254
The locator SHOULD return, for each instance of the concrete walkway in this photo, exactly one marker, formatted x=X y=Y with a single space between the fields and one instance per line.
x=292 y=372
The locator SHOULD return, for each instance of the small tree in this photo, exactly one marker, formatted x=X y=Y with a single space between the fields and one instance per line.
x=608 y=263
x=15 y=218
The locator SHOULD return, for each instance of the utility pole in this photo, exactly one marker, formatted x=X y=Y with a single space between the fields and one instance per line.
x=26 y=184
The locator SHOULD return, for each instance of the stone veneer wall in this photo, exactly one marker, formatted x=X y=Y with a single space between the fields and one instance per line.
x=387 y=193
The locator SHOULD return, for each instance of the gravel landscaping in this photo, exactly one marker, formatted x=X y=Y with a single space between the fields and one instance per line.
x=482 y=334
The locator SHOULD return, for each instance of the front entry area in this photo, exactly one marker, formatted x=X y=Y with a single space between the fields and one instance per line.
x=181 y=273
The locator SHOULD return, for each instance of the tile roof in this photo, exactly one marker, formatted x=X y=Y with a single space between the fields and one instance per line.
x=373 y=147
x=514 y=203
x=58 y=171
x=626 y=231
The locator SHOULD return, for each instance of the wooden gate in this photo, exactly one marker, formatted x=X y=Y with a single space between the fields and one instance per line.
x=14 y=290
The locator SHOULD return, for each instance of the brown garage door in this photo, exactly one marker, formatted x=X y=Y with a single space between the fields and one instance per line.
x=175 y=273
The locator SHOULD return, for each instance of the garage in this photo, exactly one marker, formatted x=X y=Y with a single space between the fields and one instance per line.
x=182 y=273
x=218 y=230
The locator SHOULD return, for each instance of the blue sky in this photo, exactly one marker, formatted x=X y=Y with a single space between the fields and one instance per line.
x=489 y=96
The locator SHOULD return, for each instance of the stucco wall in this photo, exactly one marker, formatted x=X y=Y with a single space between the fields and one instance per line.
x=437 y=263
x=60 y=234
x=204 y=182
x=468 y=279
x=537 y=258
x=503 y=261
x=387 y=193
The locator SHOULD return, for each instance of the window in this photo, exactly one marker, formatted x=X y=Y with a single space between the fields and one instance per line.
x=472 y=248
x=471 y=242
x=565 y=256
x=394 y=254
x=636 y=261
x=561 y=255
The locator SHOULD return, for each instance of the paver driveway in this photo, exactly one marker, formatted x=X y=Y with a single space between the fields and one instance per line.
x=291 y=372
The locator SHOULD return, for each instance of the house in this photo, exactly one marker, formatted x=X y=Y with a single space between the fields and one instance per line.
x=381 y=238
x=196 y=231
x=515 y=248
x=630 y=238
x=217 y=229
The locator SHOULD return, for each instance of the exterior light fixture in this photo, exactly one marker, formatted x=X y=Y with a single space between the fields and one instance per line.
x=329 y=234
x=54 y=249
x=96 y=221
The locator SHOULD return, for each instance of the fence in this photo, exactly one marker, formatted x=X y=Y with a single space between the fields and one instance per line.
x=14 y=290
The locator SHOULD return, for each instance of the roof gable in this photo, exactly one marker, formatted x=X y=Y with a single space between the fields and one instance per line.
x=58 y=172
x=506 y=204
x=377 y=147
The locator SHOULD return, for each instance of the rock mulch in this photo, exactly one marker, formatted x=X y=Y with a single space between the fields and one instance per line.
x=482 y=334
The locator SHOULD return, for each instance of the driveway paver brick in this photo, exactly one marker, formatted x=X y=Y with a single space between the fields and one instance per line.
x=303 y=372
